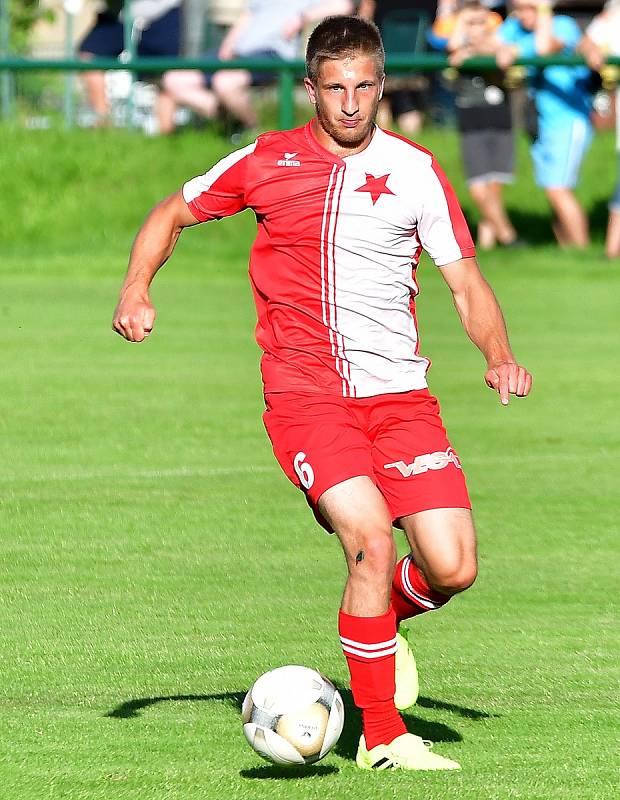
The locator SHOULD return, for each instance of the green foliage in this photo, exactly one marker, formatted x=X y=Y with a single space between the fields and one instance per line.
x=57 y=187
x=24 y=14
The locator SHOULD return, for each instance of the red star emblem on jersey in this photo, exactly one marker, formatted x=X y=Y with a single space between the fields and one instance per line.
x=375 y=186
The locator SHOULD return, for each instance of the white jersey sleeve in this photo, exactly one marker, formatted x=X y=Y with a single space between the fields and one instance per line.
x=442 y=229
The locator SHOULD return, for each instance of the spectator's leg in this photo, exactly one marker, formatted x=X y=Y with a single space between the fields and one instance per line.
x=165 y=108
x=187 y=88
x=231 y=87
x=504 y=229
x=571 y=224
x=411 y=122
x=95 y=89
x=486 y=238
x=612 y=242
x=384 y=114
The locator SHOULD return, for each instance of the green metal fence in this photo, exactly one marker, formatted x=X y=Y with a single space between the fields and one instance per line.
x=286 y=73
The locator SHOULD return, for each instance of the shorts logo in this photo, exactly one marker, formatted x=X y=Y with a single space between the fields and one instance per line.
x=304 y=471
x=426 y=461
x=289 y=160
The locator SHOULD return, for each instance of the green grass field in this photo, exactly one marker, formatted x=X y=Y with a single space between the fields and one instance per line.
x=155 y=561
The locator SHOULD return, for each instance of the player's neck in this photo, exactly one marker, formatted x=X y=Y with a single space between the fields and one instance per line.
x=328 y=143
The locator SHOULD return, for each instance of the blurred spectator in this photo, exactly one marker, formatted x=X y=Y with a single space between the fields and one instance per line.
x=156 y=30
x=560 y=117
x=602 y=39
x=484 y=121
x=269 y=29
x=406 y=105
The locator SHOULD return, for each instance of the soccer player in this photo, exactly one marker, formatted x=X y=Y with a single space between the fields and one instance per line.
x=343 y=211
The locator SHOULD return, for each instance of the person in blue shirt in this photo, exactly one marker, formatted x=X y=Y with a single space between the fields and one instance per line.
x=563 y=100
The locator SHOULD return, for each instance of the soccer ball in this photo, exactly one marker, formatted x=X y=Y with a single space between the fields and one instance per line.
x=293 y=715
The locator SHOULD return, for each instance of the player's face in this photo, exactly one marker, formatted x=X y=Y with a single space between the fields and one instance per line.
x=346 y=96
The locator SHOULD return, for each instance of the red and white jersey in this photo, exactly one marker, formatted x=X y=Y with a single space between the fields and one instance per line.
x=333 y=265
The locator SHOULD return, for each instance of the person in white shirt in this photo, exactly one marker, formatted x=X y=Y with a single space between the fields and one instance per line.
x=269 y=29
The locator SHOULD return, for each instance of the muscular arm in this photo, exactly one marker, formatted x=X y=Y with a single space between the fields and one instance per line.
x=153 y=246
x=484 y=323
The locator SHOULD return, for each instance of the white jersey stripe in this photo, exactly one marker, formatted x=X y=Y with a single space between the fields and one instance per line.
x=202 y=183
x=364 y=646
x=330 y=273
x=323 y=253
x=363 y=654
x=346 y=363
x=328 y=233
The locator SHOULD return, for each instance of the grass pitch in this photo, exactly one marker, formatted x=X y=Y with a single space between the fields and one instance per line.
x=155 y=561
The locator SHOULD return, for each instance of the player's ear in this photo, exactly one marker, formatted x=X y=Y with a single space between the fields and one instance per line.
x=381 y=85
x=310 y=89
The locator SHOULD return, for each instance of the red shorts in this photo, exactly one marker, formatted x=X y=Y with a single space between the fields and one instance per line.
x=397 y=440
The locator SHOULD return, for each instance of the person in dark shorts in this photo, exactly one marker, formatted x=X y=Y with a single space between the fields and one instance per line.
x=403 y=25
x=485 y=123
x=156 y=29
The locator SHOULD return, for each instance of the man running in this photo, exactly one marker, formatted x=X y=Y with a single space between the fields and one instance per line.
x=343 y=211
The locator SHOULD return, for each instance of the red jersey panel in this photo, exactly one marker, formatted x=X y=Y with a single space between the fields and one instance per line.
x=333 y=265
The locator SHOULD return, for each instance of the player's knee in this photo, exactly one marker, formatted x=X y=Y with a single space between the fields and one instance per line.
x=375 y=554
x=456 y=580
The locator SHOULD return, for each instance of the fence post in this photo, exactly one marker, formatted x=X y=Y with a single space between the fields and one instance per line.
x=286 y=98
x=129 y=53
x=5 y=47
x=70 y=9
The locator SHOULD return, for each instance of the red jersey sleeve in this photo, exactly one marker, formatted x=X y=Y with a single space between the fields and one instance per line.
x=442 y=228
x=220 y=192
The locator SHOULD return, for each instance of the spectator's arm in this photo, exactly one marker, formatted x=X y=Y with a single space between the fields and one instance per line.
x=227 y=47
x=315 y=13
x=506 y=54
x=366 y=9
x=592 y=53
x=457 y=39
x=546 y=43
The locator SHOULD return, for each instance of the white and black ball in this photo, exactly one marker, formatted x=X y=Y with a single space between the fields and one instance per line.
x=293 y=715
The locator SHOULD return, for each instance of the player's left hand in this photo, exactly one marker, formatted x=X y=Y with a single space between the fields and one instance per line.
x=508 y=378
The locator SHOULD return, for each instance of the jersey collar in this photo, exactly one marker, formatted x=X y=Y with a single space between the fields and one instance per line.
x=326 y=154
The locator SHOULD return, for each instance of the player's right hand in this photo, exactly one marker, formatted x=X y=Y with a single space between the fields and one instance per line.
x=134 y=318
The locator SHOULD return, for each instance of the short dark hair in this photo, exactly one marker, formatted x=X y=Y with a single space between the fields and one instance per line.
x=339 y=37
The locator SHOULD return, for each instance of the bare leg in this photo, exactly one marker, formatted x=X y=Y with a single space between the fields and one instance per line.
x=571 y=227
x=95 y=89
x=443 y=545
x=495 y=224
x=165 y=107
x=187 y=88
x=232 y=90
x=360 y=517
x=612 y=242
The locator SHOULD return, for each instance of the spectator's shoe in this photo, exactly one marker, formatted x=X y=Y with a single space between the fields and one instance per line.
x=405 y=752
x=407 y=686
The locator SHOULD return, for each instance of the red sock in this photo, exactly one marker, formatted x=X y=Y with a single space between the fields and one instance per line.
x=411 y=594
x=369 y=644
